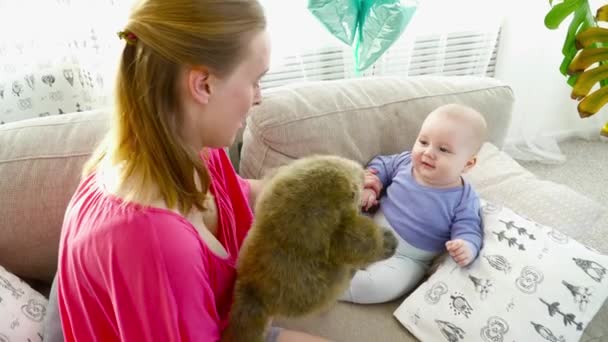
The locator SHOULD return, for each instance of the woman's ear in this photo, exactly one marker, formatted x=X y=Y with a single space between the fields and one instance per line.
x=198 y=85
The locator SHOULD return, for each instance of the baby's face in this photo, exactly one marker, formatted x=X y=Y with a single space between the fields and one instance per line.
x=442 y=152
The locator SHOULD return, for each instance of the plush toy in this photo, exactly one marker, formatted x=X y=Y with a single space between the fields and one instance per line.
x=307 y=240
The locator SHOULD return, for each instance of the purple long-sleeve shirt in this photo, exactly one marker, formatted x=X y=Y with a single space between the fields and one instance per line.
x=426 y=217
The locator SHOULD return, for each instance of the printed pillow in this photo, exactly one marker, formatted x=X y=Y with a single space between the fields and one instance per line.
x=529 y=283
x=22 y=310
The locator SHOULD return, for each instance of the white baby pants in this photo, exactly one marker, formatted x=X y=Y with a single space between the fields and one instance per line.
x=389 y=279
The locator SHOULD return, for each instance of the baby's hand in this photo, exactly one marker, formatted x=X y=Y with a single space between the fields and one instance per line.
x=368 y=199
x=460 y=251
x=372 y=181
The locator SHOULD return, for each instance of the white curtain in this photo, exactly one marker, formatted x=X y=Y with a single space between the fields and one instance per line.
x=62 y=57
x=528 y=59
x=443 y=38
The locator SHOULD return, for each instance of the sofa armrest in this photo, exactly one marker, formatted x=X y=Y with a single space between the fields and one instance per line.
x=40 y=168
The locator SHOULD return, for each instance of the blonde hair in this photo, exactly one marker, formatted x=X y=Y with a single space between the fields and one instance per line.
x=166 y=37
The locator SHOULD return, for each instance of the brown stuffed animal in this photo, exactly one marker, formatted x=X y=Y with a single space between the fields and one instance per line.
x=307 y=240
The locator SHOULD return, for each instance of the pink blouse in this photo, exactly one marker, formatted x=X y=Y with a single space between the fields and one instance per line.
x=134 y=273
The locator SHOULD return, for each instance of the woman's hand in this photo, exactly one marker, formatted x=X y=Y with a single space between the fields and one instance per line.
x=255 y=188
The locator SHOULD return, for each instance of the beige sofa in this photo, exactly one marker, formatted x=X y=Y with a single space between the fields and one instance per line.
x=40 y=162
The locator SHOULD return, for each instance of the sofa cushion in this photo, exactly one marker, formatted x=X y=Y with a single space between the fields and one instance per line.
x=500 y=179
x=360 y=118
x=22 y=310
x=530 y=282
x=353 y=323
x=40 y=170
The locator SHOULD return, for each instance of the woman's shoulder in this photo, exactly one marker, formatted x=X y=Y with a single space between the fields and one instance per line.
x=114 y=216
x=98 y=215
x=127 y=234
x=157 y=233
x=150 y=221
x=160 y=228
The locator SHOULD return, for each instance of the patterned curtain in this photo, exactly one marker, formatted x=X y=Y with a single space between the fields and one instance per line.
x=57 y=56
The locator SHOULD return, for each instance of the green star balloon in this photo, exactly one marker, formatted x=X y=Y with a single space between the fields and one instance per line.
x=374 y=25
x=340 y=17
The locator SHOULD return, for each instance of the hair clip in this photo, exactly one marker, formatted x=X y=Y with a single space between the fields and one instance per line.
x=128 y=36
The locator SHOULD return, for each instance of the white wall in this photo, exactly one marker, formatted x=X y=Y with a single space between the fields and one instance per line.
x=529 y=58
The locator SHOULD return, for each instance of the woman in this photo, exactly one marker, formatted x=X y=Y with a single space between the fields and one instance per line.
x=150 y=238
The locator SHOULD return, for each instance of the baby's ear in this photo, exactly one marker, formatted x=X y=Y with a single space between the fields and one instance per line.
x=469 y=165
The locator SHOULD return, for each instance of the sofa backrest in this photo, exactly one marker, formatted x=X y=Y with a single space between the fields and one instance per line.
x=41 y=159
x=40 y=165
x=360 y=118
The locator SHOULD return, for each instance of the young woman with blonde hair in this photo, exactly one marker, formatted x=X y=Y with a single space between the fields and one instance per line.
x=151 y=235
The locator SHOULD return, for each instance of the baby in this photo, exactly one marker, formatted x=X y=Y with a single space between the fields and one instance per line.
x=427 y=203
